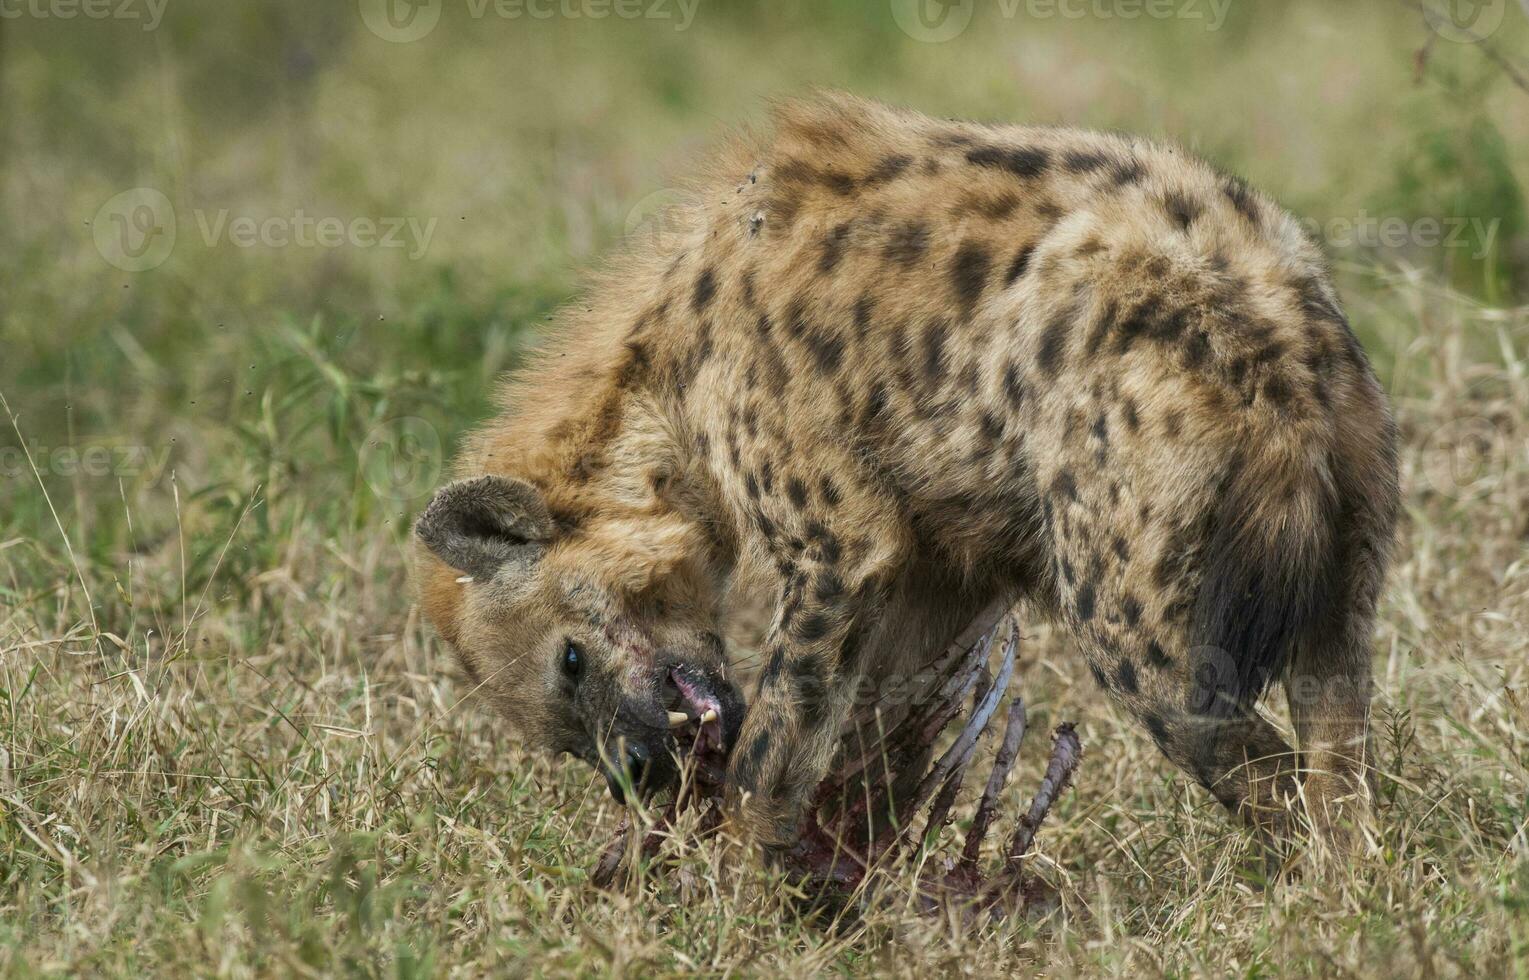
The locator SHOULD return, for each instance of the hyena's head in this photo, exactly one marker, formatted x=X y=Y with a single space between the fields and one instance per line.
x=602 y=641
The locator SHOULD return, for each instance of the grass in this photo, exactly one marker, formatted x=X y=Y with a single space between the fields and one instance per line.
x=229 y=746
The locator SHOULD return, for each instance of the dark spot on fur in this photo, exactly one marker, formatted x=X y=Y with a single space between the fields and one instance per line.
x=1020 y=263
x=1196 y=349
x=1125 y=676
x=1065 y=486
x=907 y=243
x=968 y=274
x=888 y=169
x=1242 y=199
x=1027 y=162
x=797 y=491
x=1278 y=392
x=1122 y=549
x=1080 y=162
x=1084 y=602
x=1131 y=609
x=705 y=289
x=754 y=755
x=812 y=627
x=1158 y=730
x=875 y=405
x=1128 y=413
x=1155 y=655
x=1099 y=678
x=1127 y=172
x=829 y=492
x=934 y=350
x=839 y=182
x=773 y=667
x=1181 y=210
x=1054 y=343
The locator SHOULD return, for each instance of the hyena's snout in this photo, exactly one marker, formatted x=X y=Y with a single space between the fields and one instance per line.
x=682 y=714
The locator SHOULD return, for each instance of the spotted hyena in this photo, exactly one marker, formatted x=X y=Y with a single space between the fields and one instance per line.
x=912 y=366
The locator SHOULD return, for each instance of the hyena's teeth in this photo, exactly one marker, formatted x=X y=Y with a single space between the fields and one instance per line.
x=710 y=714
x=677 y=718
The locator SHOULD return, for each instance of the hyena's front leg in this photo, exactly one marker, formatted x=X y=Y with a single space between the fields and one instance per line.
x=831 y=583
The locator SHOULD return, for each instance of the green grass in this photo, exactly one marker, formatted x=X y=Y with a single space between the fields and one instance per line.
x=228 y=745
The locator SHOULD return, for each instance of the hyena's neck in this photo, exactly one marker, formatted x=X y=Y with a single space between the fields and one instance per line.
x=591 y=426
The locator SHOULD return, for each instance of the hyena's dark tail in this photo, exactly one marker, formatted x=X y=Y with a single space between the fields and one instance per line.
x=1270 y=576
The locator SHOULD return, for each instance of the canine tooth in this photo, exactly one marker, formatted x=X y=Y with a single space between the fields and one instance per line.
x=677 y=718
x=710 y=714
x=464 y=579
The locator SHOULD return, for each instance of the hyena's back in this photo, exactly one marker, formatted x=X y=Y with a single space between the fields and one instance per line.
x=1081 y=365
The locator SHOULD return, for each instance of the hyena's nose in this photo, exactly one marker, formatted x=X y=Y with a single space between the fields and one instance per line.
x=636 y=766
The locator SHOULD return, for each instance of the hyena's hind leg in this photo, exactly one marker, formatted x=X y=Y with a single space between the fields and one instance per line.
x=1237 y=755
x=1328 y=685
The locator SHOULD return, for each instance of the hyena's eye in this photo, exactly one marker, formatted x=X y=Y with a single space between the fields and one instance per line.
x=573 y=660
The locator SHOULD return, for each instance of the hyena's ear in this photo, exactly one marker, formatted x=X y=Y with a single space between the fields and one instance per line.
x=479 y=526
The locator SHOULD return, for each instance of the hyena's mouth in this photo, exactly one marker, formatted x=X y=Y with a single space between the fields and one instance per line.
x=699 y=719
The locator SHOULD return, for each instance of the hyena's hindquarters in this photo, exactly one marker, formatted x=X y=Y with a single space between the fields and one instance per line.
x=1194 y=601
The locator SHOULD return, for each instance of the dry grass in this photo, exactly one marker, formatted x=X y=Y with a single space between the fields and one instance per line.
x=228 y=745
